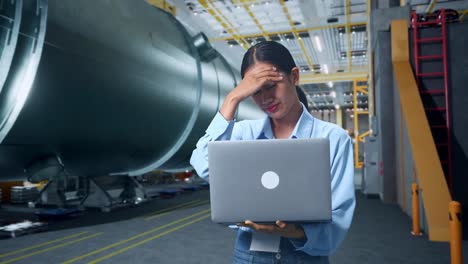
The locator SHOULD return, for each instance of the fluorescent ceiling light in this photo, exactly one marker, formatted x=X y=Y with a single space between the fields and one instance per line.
x=330 y=84
x=318 y=44
x=325 y=68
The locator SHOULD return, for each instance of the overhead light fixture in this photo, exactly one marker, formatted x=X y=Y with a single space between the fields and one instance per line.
x=318 y=44
x=325 y=68
x=333 y=94
x=330 y=84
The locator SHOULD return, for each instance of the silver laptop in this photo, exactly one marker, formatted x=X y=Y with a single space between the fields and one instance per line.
x=269 y=180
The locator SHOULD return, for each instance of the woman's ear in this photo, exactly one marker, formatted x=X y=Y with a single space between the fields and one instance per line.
x=295 y=75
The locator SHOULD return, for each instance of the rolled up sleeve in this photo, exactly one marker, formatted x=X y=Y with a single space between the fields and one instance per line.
x=219 y=129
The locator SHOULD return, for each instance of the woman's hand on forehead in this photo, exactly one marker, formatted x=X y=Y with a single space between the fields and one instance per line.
x=257 y=78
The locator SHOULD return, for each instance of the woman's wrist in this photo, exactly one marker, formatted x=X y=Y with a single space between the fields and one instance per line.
x=229 y=107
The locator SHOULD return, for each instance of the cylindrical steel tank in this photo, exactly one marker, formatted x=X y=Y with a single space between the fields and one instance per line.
x=120 y=89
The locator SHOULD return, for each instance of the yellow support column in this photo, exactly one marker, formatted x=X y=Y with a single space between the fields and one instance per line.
x=358 y=137
x=339 y=117
x=456 y=253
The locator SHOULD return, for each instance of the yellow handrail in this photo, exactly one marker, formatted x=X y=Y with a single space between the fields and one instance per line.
x=434 y=190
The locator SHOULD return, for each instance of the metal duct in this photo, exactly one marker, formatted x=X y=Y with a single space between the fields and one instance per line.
x=123 y=93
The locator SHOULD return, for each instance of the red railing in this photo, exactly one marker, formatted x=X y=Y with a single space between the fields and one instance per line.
x=436 y=22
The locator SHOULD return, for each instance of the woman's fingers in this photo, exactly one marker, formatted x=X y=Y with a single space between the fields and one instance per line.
x=262 y=69
x=280 y=227
x=262 y=228
x=261 y=73
x=268 y=73
x=281 y=224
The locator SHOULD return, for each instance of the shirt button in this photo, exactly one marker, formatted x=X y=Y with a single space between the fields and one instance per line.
x=278 y=256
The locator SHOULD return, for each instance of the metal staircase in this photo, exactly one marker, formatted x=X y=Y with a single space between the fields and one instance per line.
x=431 y=71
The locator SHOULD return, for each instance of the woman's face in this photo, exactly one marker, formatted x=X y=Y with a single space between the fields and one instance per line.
x=277 y=98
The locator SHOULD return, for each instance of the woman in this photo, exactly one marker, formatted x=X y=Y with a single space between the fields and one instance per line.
x=269 y=76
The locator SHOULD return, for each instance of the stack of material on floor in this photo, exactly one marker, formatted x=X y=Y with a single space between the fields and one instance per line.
x=58 y=214
x=190 y=188
x=21 y=228
x=170 y=192
x=23 y=194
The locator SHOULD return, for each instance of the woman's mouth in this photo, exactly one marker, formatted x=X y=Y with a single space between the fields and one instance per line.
x=272 y=108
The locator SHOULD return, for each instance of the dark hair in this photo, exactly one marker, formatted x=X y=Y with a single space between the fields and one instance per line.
x=302 y=97
x=271 y=52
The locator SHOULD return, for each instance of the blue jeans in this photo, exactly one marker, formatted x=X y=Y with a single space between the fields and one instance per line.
x=287 y=255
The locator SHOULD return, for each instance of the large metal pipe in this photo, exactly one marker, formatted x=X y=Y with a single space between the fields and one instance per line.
x=121 y=93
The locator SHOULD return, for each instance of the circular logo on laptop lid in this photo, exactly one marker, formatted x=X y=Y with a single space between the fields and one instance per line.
x=270 y=180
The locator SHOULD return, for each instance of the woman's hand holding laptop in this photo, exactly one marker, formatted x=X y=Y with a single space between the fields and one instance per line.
x=281 y=228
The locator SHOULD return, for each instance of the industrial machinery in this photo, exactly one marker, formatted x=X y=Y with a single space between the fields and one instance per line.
x=86 y=95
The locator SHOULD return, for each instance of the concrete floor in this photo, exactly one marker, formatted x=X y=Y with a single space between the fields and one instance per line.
x=164 y=231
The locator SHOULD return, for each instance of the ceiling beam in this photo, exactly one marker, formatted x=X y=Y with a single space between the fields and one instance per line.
x=224 y=22
x=308 y=78
x=348 y=32
x=246 y=7
x=302 y=30
x=296 y=35
x=463 y=14
x=431 y=6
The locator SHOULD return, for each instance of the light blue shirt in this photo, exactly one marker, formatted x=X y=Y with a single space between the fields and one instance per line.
x=322 y=239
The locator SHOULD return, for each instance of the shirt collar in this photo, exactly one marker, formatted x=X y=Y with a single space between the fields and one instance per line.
x=303 y=128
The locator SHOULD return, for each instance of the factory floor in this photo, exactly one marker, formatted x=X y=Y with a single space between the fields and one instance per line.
x=178 y=230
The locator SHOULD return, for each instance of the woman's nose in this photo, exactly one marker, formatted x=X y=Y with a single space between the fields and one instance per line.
x=266 y=98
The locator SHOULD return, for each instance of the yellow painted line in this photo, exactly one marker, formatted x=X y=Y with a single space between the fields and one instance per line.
x=180 y=208
x=133 y=238
x=49 y=249
x=40 y=245
x=148 y=240
x=171 y=208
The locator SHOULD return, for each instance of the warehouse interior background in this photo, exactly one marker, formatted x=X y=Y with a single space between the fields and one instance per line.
x=102 y=103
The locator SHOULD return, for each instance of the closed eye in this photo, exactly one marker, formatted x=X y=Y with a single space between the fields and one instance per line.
x=266 y=87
